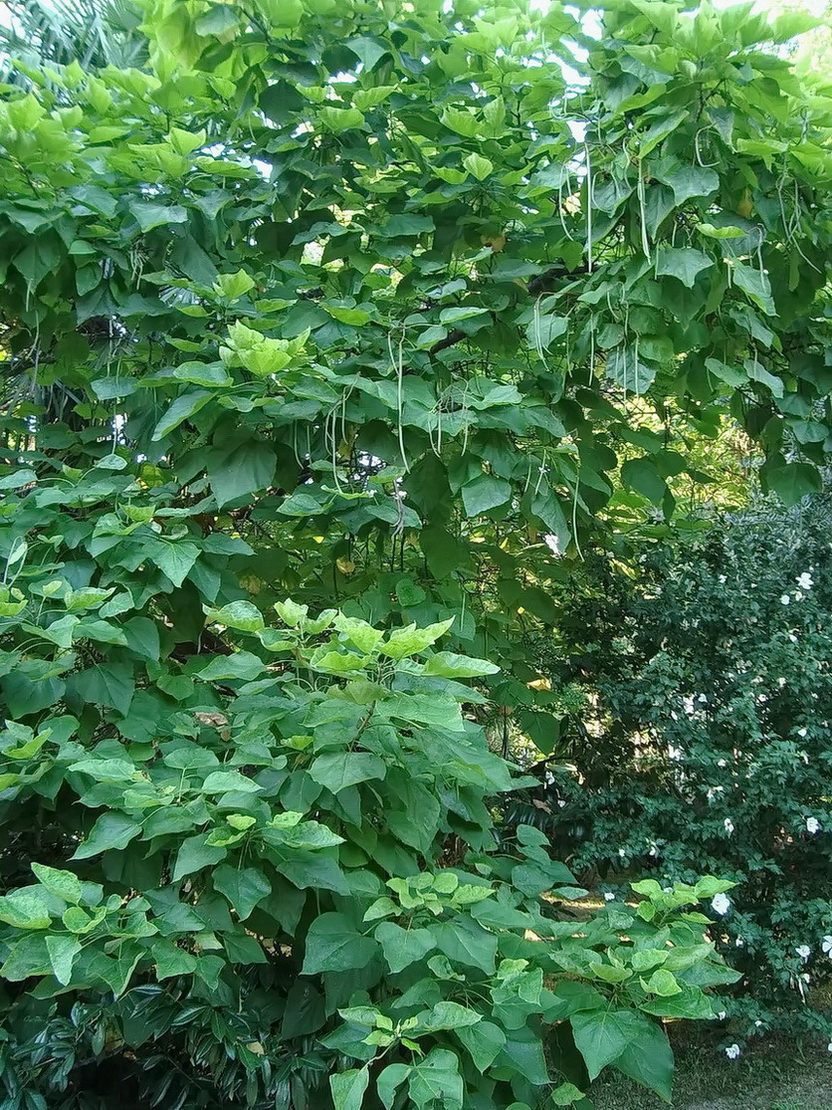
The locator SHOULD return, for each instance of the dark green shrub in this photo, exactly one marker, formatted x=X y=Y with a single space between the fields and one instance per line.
x=711 y=749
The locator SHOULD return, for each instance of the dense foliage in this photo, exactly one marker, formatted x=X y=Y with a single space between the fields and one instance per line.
x=380 y=286
x=361 y=303
x=267 y=876
x=710 y=748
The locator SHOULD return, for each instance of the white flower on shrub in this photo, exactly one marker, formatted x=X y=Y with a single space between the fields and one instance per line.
x=785 y=599
x=804 y=951
x=798 y=596
x=721 y=904
x=826 y=945
x=729 y=826
x=829 y=1047
x=805 y=581
x=802 y=732
x=733 y=1051
x=609 y=896
x=812 y=825
x=739 y=942
x=721 y=1016
x=722 y=763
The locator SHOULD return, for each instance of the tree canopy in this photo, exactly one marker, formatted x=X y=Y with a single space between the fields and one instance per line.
x=397 y=309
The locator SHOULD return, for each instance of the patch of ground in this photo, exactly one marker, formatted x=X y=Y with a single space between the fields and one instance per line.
x=773 y=1076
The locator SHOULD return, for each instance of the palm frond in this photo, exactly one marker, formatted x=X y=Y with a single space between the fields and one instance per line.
x=95 y=33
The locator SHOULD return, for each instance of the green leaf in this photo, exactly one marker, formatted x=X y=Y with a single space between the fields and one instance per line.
x=244 y=888
x=603 y=1035
x=446 y=664
x=484 y=1042
x=339 y=770
x=223 y=668
x=389 y=1081
x=684 y=263
x=625 y=368
x=241 y=615
x=341 y=119
x=170 y=960
x=195 y=855
x=566 y=1094
x=649 y=1060
x=218 y=782
x=149 y=215
x=241 y=471
x=368 y=49
x=477 y=166
x=363 y=635
x=662 y=983
x=184 y=407
x=348 y=1088
x=411 y=640
x=111 y=831
x=437 y=1078
x=484 y=493
x=793 y=481
x=755 y=284
x=332 y=944
x=403 y=947
x=446 y=1015
x=62 y=952
x=61 y=883
x=544 y=330
x=642 y=476
x=463 y=941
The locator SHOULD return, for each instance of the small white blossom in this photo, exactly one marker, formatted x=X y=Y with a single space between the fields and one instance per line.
x=805 y=581
x=721 y=904
x=739 y=942
x=812 y=825
x=733 y=1051
x=785 y=599
x=702 y=698
x=721 y=1016
x=798 y=596
x=729 y=826
x=722 y=579
x=781 y=682
x=722 y=763
x=758 y=1024
x=622 y=853
x=826 y=945
x=804 y=951
x=802 y=732
x=609 y=896
x=806 y=977
x=829 y=1047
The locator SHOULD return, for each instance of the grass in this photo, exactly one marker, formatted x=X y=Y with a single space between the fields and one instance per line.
x=775 y=1075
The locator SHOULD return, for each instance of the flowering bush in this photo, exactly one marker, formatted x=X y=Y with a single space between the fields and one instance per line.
x=711 y=747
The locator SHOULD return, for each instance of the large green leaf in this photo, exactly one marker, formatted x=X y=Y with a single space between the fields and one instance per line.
x=603 y=1035
x=684 y=263
x=332 y=944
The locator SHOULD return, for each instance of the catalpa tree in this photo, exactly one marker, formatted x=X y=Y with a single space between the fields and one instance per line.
x=376 y=283
x=360 y=303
